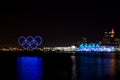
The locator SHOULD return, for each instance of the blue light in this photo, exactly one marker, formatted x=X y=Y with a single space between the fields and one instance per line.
x=40 y=39
x=20 y=42
x=89 y=46
x=85 y=45
x=30 y=42
x=81 y=46
x=30 y=68
x=95 y=47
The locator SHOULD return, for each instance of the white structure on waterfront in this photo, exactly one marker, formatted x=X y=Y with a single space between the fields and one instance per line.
x=69 y=48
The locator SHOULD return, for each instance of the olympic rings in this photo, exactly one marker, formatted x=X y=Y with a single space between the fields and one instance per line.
x=29 y=42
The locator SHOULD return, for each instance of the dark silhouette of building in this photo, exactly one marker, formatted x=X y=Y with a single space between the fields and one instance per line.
x=84 y=40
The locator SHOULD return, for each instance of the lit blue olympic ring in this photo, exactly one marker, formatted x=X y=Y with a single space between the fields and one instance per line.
x=30 y=42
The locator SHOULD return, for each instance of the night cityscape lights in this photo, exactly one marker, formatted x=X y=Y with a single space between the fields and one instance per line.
x=30 y=43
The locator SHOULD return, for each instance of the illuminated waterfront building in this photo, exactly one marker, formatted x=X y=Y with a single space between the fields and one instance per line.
x=95 y=47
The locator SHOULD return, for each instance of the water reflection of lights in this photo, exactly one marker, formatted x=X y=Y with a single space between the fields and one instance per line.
x=74 y=67
x=30 y=68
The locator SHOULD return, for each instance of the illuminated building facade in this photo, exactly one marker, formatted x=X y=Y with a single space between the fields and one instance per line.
x=95 y=47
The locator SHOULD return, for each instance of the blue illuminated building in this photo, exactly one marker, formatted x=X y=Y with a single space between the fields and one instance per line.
x=95 y=47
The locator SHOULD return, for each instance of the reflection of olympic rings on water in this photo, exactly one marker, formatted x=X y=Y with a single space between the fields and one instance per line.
x=30 y=42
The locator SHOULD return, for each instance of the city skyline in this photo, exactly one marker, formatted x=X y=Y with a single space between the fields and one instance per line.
x=57 y=25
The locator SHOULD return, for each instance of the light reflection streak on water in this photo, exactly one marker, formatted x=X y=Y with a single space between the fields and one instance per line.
x=73 y=67
x=92 y=67
x=30 y=68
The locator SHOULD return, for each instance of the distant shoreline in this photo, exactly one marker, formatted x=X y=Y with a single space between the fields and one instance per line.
x=41 y=53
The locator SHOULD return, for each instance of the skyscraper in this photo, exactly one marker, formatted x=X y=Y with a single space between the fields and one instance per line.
x=108 y=38
x=112 y=33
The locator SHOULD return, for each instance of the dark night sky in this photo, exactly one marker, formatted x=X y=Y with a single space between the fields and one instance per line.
x=59 y=23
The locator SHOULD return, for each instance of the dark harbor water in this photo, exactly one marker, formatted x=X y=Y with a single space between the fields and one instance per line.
x=60 y=67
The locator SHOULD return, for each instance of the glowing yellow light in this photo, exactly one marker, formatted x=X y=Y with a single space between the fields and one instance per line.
x=112 y=35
